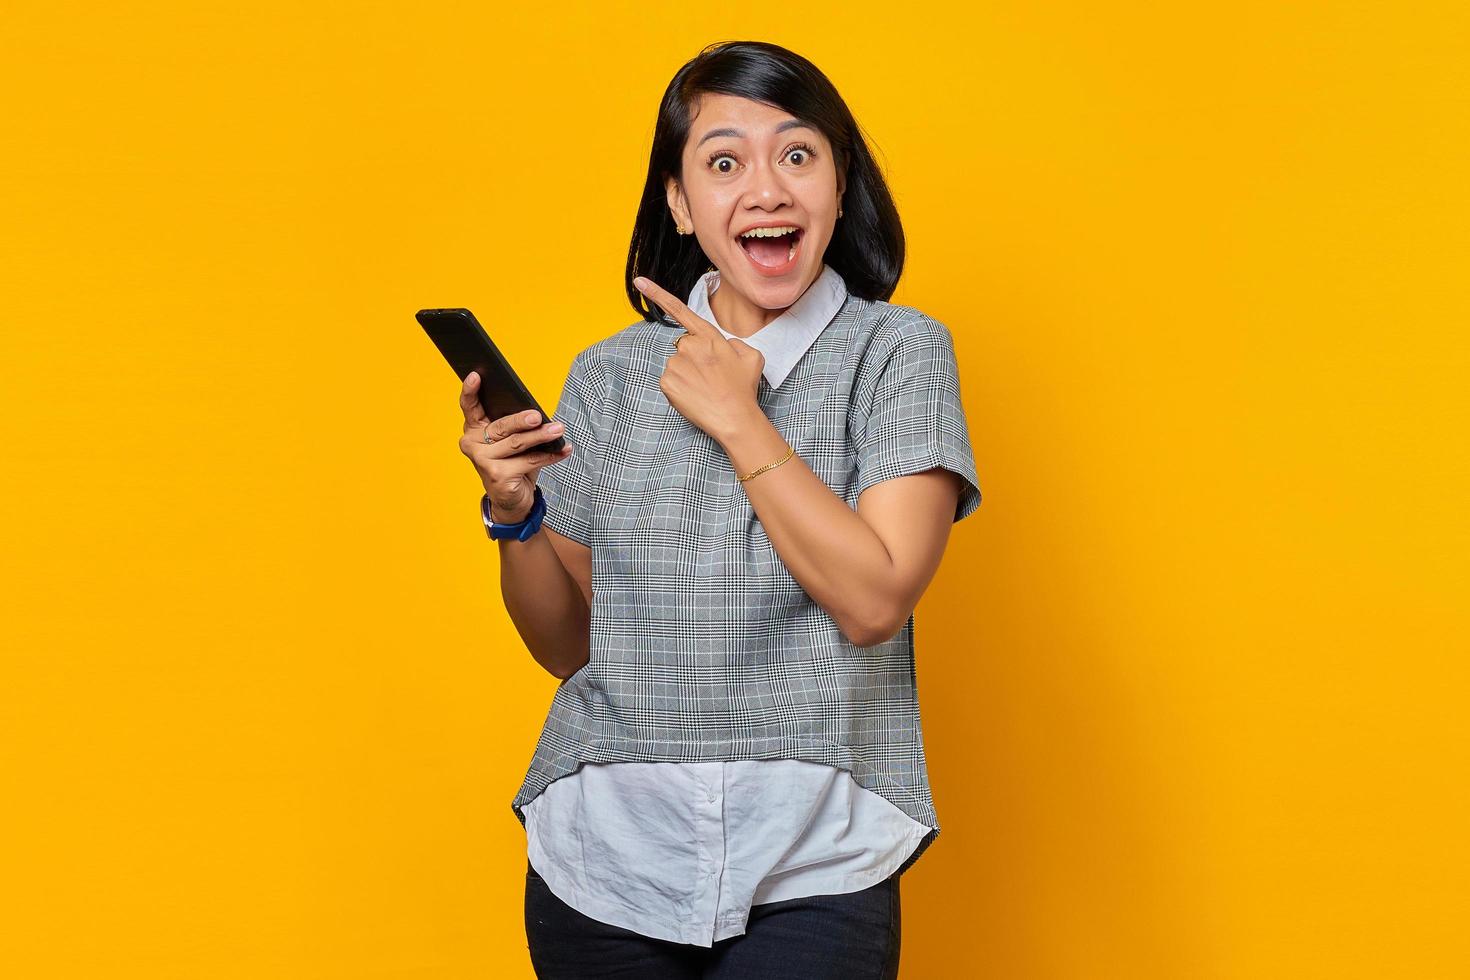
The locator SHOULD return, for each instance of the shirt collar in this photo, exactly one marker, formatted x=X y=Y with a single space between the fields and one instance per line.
x=785 y=339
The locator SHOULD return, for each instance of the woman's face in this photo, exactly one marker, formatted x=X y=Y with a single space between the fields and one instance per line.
x=748 y=164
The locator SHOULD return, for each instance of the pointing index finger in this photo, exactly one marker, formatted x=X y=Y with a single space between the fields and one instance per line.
x=690 y=320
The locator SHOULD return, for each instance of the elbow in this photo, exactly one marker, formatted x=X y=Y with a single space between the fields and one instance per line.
x=565 y=673
x=567 y=667
x=873 y=630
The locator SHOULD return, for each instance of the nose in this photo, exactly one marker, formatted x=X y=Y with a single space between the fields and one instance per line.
x=767 y=189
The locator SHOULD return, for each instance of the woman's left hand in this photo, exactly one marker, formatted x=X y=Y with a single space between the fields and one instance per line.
x=709 y=380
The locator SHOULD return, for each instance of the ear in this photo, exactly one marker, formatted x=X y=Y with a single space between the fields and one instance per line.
x=678 y=207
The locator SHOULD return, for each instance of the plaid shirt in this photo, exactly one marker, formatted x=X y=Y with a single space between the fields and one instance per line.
x=703 y=646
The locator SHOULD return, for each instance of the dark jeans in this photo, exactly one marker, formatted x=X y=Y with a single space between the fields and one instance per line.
x=854 y=936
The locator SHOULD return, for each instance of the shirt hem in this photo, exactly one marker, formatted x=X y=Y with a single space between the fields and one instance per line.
x=845 y=883
x=608 y=913
x=919 y=808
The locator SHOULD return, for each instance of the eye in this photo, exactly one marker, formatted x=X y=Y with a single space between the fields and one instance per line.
x=720 y=154
x=805 y=149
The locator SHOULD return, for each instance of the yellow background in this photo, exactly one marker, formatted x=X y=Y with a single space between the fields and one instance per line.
x=1193 y=678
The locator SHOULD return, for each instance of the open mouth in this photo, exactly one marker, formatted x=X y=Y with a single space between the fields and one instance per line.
x=775 y=255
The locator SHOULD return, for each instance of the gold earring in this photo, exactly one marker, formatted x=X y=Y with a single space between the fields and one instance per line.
x=679 y=228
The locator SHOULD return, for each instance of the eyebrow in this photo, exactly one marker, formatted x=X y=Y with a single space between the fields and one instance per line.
x=780 y=128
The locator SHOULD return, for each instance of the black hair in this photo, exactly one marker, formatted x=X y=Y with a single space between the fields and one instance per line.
x=867 y=245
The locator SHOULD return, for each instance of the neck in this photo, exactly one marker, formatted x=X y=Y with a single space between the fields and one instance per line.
x=738 y=315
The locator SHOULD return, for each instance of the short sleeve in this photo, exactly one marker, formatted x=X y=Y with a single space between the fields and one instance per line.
x=567 y=483
x=909 y=417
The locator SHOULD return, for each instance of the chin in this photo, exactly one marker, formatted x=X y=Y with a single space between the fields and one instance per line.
x=773 y=297
x=773 y=294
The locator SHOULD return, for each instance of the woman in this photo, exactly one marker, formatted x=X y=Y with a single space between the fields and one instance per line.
x=759 y=482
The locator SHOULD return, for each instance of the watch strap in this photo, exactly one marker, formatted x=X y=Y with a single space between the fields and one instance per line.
x=521 y=530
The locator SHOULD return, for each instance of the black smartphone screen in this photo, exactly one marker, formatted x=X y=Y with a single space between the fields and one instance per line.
x=467 y=347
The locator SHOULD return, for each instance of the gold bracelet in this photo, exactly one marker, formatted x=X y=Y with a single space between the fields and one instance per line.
x=769 y=466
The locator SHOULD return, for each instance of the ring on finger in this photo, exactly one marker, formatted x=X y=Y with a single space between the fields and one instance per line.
x=487 y=432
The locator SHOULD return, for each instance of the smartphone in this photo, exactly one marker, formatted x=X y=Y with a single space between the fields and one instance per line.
x=467 y=347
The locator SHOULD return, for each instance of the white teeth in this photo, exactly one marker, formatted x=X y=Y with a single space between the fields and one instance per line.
x=770 y=232
x=791 y=254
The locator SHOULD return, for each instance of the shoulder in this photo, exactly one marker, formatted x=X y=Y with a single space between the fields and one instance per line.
x=636 y=339
x=891 y=330
x=634 y=347
x=896 y=324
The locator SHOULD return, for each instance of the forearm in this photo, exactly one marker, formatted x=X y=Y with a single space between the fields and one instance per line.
x=831 y=551
x=545 y=603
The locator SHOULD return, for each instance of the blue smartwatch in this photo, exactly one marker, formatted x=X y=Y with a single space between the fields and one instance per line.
x=520 y=530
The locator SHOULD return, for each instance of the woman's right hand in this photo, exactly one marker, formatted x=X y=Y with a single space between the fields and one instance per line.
x=509 y=479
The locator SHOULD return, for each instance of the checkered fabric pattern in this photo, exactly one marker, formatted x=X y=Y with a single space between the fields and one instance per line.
x=703 y=646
